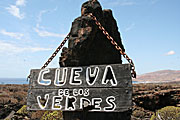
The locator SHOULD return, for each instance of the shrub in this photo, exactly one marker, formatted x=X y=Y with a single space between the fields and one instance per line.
x=52 y=115
x=23 y=110
x=167 y=113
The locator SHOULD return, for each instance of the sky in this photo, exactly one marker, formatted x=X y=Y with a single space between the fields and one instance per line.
x=30 y=31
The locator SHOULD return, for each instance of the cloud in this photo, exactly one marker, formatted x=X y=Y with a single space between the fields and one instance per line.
x=154 y=1
x=44 y=33
x=37 y=49
x=126 y=3
x=9 y=48
x=39 y=17
x=170 y=53
x=41 y=29
x=130 y=27
x=12 y=34
x=20 y=3
x=120 y=2
x=15 y=11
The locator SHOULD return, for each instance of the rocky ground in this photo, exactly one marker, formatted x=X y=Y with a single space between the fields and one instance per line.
x=147 y=98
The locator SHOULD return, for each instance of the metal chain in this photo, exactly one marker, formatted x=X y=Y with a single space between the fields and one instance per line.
x=55 y=52
x=133 y=72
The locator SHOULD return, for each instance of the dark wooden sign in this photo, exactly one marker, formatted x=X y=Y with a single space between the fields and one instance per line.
x=102 y=88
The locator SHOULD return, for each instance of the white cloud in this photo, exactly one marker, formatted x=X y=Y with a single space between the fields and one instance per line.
x=37 y=49
x=39 y=17
x=44 y=33
x=170 y=53
x=12 y=34
x=120 y=2
x=15 y=11
x=20 y=2
x=126 y=3
x=41 y=29
x=42 y=12
x=9 y=48
x=154 y=1
x=130 y=27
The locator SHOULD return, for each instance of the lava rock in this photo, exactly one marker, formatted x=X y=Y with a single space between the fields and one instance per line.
x=87 y=44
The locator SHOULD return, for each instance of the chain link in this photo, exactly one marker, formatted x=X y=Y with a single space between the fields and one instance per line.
x=133 y=72
x=55 y=52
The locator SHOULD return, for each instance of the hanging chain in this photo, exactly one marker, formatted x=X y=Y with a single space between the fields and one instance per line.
x=133 y=72
x=55 y=52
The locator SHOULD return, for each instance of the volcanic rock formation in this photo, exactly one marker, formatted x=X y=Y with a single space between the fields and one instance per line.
x=87 y=44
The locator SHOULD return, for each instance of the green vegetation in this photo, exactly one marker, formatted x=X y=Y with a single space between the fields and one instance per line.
x=167 y=113
x=23 y=110
x=52 y=115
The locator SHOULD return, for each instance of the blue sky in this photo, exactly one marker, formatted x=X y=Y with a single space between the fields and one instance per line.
x=30 y=30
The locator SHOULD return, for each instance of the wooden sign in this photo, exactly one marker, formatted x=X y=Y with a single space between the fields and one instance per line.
x=106 y=88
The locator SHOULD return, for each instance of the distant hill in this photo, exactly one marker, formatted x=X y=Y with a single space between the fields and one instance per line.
x=160 y=76
x=13 y=81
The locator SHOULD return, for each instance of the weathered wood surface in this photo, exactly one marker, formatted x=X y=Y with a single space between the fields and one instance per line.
x=122 y=99
x=121 y=71
x=9 y=117
x=83 y=115
x=112 y=95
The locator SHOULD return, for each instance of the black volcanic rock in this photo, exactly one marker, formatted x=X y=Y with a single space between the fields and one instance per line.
x=87 y=44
